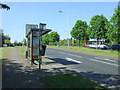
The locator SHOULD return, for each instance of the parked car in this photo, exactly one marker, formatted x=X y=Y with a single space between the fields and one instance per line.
x=115 y=47
x=107 y=47
x=68 y=45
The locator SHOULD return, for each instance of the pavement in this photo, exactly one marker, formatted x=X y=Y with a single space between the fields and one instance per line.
x=18 y=73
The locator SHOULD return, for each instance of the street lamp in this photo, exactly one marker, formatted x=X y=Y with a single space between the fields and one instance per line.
x=1 y=37
x=67 y=25
x=4 y=6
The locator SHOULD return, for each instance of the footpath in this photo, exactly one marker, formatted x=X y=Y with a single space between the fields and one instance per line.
x=18 y=73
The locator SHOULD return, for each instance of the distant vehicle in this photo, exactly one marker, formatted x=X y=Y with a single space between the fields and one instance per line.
x=94 y=43
x=11 y=45
x=68 y=45
x=4 y=45
x=115 y=46
x=58 y=45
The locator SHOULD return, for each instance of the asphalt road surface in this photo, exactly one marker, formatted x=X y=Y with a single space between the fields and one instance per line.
x=102 y=69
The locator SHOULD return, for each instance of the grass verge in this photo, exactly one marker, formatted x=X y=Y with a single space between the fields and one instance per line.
x=106 y=53
x=22 y=50
x=4 y=51
x=71 y=81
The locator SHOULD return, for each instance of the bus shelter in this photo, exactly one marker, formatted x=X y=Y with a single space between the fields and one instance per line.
x=35 y=49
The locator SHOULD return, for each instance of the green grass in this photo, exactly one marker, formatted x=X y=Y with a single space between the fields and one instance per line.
x=4 y=51
x=22 y=50
x=71 y=81
x=106 y=53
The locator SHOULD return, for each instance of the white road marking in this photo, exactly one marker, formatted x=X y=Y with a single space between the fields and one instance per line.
x=70 y=59
x=75 y=55
x=103 y=62
x=78 y=56
x=51 y=50
x=106 y=59
x=61 y=52
x=70 y=54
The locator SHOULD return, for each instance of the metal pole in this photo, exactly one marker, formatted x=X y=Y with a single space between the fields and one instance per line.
x=40 y=47
x=39 y=50
x=67 y=26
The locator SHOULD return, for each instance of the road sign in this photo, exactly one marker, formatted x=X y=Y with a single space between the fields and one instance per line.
x=29 y=26
x=7 y=41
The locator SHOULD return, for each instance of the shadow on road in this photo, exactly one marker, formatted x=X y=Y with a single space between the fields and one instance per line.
x=63 y=61
x=107 y=79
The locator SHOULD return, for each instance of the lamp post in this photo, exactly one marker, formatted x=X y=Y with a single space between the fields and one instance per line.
x=4 y=6
x=67 y=24
x=1 y=37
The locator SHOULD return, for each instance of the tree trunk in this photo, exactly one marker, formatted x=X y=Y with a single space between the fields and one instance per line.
x=97 y=44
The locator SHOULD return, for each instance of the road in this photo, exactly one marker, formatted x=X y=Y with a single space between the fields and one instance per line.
x=101 y=69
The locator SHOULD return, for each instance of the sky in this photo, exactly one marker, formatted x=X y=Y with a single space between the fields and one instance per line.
x=22 y=13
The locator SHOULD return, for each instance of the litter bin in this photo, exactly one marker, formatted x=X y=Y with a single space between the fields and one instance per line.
x=43 y=50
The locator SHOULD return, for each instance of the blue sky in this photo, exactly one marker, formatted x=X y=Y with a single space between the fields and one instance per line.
x=22 y=13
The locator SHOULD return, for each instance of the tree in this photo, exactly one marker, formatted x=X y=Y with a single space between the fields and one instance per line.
x=5 y=37
x=113 y=33
x=98 y=27
x=45 y=39
x=54 y=37
x=4 y=6
x=79 y=31
x=15 y=43
x=24 y=42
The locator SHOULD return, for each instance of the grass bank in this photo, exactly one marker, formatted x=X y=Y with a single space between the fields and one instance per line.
x=4 y=51
x=71 y=81
x=106 y=53
x=22 y=50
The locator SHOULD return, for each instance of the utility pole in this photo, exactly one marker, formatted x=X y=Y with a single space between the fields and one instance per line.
x=67 y=26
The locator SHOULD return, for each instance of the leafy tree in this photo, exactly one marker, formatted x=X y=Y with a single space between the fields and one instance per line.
x=15 y=43
x=4 y=6
x=19 y=44
x=5 y=37
x=54 y=37
x=98 y=27
x=24 y=42
x=79 y=31
x=45 y=39
x=113 y=33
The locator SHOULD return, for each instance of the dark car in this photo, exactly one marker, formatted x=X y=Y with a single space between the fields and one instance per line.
x=115 y=47
x=68 y=45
